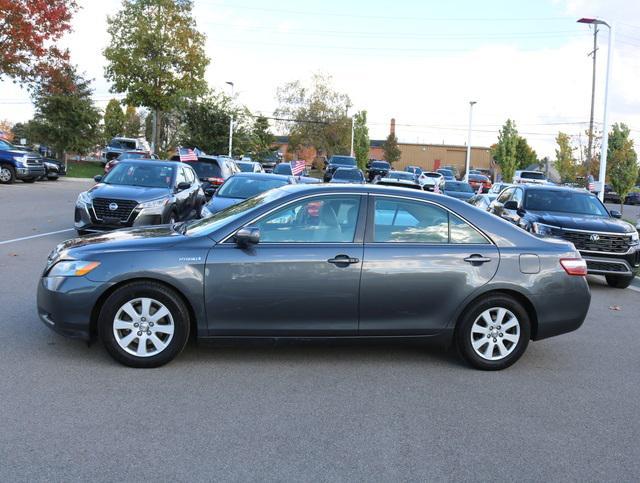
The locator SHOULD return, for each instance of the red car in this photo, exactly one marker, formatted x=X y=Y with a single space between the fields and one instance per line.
x=477 y=180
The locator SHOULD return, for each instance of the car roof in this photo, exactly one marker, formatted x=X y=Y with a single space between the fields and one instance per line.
x=347 y=168
x=552 y=187
x=283 y=177
x=153 y=162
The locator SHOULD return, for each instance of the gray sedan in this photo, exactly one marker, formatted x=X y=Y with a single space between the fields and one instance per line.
x=319 y=261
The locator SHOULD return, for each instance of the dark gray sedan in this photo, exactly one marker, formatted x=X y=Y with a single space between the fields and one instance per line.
x=322 y=261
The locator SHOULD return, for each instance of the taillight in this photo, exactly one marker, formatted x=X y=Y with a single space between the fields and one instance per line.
x=215 y=180
x=574 y=266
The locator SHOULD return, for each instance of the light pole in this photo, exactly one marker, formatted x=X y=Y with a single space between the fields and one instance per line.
x=605 y=122
x=352 y=128
x=468 y=160
x=231 y=125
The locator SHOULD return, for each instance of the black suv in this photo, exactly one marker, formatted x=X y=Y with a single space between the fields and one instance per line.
x=608 y=244
x=212 y=171
x=336 y=162
x=377 y=169
x=139 y=193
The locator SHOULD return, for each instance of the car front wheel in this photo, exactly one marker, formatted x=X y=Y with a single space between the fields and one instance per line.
x=144 y=324
x=7 y=174
x=617 y=281
x=493 y=332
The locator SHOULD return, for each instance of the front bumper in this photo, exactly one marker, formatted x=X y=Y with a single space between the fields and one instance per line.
x=84 y=219
x=29 y=172
x=626 y=265
x=65 y=304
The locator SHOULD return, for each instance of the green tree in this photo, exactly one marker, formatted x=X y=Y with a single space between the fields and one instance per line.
x=132 y=122
x=505 y=150
x=565 y=163
x=622 y=161
x=316 y=115
x=156 y=56
x=261 y=138
x=113 y=120
x=392 y=152
x=361 y=139
x=525 y=155
x=65 y=116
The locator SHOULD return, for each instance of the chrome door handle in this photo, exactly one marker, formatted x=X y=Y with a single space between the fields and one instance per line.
x=477 y=259
x=343 y=260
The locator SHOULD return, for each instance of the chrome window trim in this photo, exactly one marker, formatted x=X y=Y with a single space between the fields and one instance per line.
x=593 y=231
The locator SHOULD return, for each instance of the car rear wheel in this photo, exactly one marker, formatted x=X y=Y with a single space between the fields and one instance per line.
x=144 y=324
x=7 y=174
x=617 y=281
x=493 y=332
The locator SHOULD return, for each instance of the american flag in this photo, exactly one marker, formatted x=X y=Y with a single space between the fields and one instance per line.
x=187 y=154
x=297 y=167
x=436 y=188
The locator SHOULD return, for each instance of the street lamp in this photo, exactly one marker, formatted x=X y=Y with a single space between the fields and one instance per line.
x=231 y=124
x=605 y=124
x=466 y=171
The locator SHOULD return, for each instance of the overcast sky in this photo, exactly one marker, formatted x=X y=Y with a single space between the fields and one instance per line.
x=418 y=61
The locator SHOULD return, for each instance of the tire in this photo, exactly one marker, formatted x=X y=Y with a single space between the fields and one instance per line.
x=29 y=180
x=7 y=174
x=164 y=339
x=616 y=281
x=504 y=346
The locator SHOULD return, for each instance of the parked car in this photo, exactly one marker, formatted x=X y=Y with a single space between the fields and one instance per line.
x=119 y=145
x=609 y=245
x=433 y=178
x=17 y=164
x=347 y=175
x=482 y=201
x=270 y=161
x=457 y=189
x=417 y=170
x=400 y=179
x=454 y=171
x=241 y=186
x=336 y=162
x=377 y=169
x=286 y=170
x=632 y=198
x=610 y=196
x=498 y=187
x=53 y=169
x=138 y=193
x=533 y=177
x=128 y=155
x=478 y=180
x=327 y=261
x=446 y=174
x=250 y=166
x=212 y=171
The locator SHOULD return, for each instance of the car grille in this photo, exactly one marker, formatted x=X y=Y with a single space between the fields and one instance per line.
x=122 y=213
x=605 y=243
x=600 y=266
x=34 y=162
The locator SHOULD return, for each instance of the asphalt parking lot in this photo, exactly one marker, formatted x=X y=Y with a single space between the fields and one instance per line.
x=568 y=410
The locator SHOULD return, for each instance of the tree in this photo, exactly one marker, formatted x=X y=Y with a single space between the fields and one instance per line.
x=565 y=163
x=506 y=149
x=29 y=30
x=132 y=122
x=622 y=161
x=6 y=130
x=392 y=152
x=261 y=138
x=65 y=116
x=113 y=120
x=316 y=115
x=361 y=139
x=525 y=156
x=156 y=56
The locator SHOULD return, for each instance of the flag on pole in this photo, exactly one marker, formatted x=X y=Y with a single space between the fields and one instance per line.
x=479 y=189
x=297 y=167
x=436 y=188
x=187 y=154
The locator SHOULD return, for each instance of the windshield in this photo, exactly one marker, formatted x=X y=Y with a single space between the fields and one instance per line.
x=354 y=174
x=124 y=156
x=564 y=202
x=245 y=187
x=532 y=175
x=6 y=145
x=282 y=168
x=401 y=175
x=445 y=172
x=206 y=169
x=380 y=165
x=221 y=218
x=245 y=167
x=343 y=160
x=458 y=186
x=432 y=175
x=147 y=175
x=122 y=144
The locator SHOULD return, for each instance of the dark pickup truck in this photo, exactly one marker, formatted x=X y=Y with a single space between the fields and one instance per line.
x=19 y=164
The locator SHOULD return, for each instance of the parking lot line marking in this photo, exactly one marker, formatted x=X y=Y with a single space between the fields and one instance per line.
x=34 y=236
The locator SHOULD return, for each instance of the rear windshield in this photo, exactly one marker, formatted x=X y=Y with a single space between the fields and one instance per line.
x=245 y=187
x=532 y=175
x=564 y=202
x=348 y=174
x=135 y=174
x=206 y=169
x=380 y=165
x=401 y=175
x=282 y=168
x=458 y=186
x=432 y=175
x=445 y=172
x=245 y=166
x=343 y=160
x=122 y=144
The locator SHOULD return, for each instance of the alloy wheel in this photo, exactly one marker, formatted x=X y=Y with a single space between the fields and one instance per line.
x=5 y=175
x=495 y=333
x=143 y=327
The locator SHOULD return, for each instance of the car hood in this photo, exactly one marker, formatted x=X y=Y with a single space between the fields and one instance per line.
x=122 y=192
x=461 y=195
x=582 y=222
x=218 y=203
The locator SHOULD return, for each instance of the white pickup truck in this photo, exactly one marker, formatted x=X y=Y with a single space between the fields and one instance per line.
x=533 y=177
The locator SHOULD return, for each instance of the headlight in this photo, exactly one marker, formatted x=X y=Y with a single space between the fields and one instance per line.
x=635 y=237
x=21 y=160
x=544 y=230
x=154 y=206
x=72 y=268
x=83 y=199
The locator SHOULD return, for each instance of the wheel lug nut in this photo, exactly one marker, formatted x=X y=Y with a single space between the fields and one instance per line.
x=488 y=336
x=136 y=324
x=495 y=340
x=148 y=332
x=498 y=327
x=139 y=332
x=500 y=334
x=150 y=324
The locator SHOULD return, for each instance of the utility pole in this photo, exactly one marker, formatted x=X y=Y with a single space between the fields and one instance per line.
x=468 y=160
x=352 y=132
x=231 y=125
x=593 y=96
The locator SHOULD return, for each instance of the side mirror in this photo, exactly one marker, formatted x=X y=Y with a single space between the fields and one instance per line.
x=248 y=235
x=615 y=213
x=183 y=186
x=511 y=205
x=97 y=178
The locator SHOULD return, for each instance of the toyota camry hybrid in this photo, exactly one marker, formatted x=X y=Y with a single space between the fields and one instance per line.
x=325 y=262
